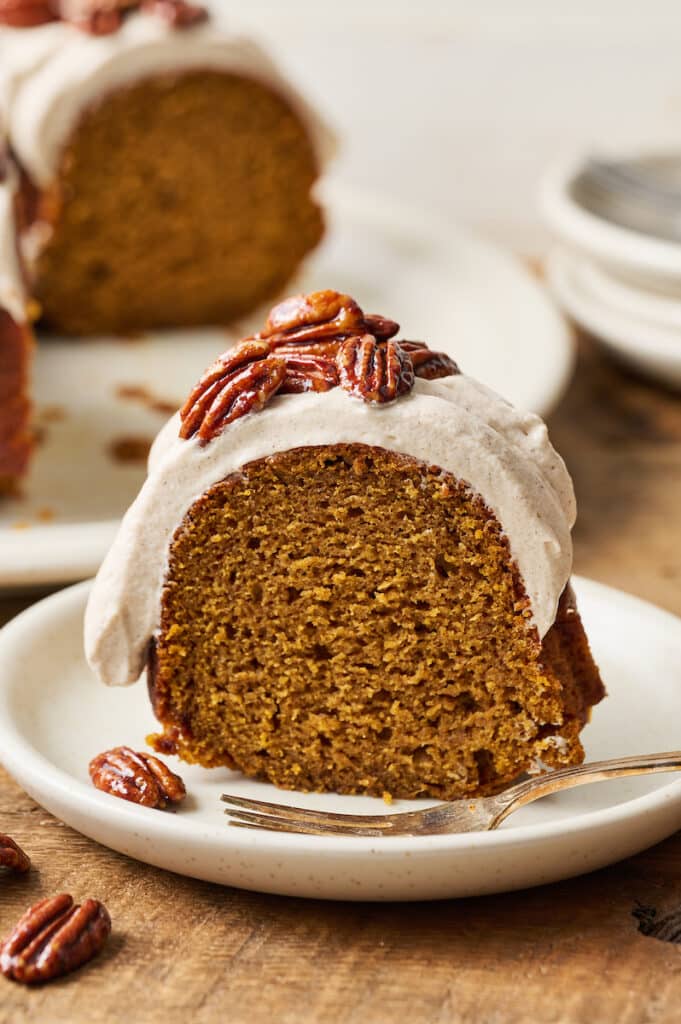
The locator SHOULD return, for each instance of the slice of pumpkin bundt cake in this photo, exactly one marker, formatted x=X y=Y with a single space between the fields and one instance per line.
x=349 y=570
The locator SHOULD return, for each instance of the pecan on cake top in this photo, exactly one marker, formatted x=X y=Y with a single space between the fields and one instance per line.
x=309 y=343
x=97 y=17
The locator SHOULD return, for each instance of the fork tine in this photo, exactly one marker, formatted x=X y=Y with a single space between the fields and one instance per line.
x=272 y=823
x=302 y=814
x=299 y=830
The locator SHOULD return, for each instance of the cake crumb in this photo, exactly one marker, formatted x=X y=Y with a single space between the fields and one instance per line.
x=39 y=435
x=52 y=414
x=138 y=393
x=131 y=337
x=130 y=449
x=387 y=798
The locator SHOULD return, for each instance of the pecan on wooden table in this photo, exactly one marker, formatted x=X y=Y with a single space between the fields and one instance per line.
x=12 y=856
x=54 y=937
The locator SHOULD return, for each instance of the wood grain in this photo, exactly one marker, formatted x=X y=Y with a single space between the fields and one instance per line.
x=562 y=954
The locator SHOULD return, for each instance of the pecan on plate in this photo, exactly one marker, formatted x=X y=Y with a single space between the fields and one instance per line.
x=375 y=372
x=54 y=937
x=140 y=778
x=26 y=13
x=12 y=856
x=427 y=364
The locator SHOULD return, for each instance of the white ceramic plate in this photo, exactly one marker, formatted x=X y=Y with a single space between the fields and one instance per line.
x=645 y=342
x=54 y=717
x=626 y=252
x=460 y=293
x=657 y=308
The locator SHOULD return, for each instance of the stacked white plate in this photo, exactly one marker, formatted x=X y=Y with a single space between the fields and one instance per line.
x=621 y=285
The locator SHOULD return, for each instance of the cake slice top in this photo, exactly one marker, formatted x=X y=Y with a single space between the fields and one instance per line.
x=451 y=422
x=52 y=71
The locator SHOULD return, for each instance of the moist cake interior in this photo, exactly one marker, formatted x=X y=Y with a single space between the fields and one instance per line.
x=203 y=178
x=346 y=618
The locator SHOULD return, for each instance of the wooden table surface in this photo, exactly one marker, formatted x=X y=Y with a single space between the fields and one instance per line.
x=187 y=951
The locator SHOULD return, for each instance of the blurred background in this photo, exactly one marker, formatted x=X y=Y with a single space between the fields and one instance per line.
x=460 y=106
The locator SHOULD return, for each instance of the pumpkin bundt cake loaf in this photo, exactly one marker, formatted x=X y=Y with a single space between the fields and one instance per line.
x=166 y=164
x=349 y=570
x=15 y=344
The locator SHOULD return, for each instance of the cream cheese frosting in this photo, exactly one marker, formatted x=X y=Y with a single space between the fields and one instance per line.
x=51 y=74
x=505 y=456
x=12 y=290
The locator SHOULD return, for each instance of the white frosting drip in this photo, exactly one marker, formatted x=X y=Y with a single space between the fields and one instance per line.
x=12 y=291
x=504 y=455
x=51 y=74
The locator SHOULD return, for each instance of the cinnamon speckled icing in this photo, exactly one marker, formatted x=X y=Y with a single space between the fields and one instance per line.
x=51 y=74
x=505 y=456
x=12 y=291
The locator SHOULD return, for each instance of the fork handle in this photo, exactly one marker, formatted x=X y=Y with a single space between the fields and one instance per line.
x=596 y=771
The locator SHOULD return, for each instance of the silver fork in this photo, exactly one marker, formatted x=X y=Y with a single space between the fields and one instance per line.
x=477 y=815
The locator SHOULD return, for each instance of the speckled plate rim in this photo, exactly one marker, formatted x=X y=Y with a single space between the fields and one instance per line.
x=328 y=867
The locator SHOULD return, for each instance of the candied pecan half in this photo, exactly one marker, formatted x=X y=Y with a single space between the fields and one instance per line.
x=214 y=379
x=54 y=937
x=323 y=347
x=26 y=13
x=103 y=17
x=96 y=17
x=429 y=365
x=372 y=371
x=248 y=390
x=380 y=327
x=177 y=13
x=12 y=856
x=325 y=314
x=308 y=372
x=140 y=778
